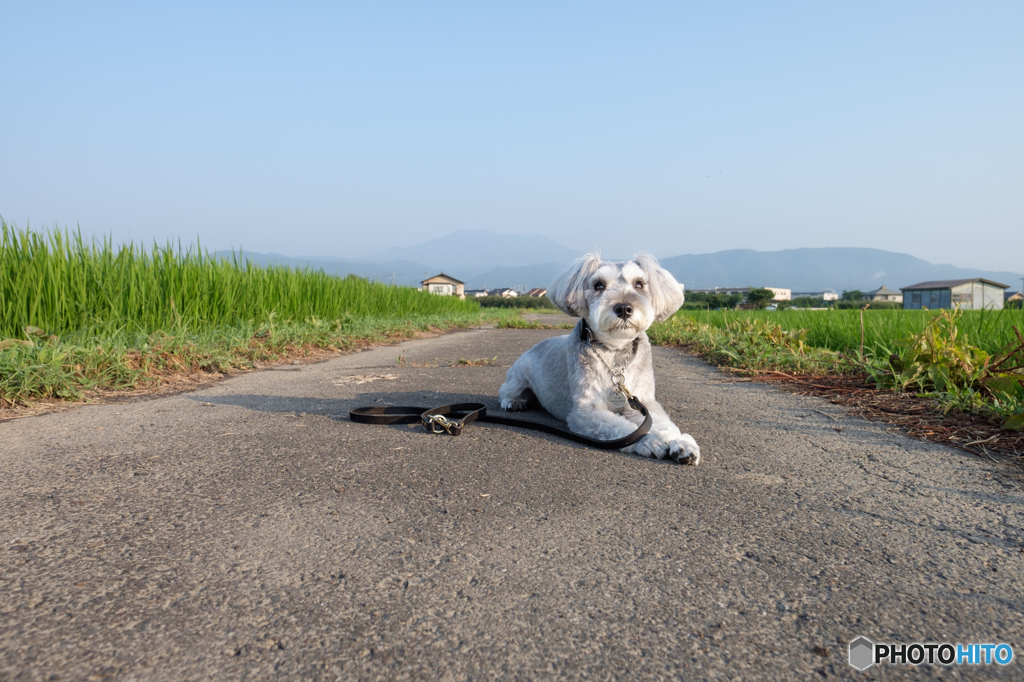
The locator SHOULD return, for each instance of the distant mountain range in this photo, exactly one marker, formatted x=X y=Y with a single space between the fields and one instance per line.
x=481 y=259
x=484 y=260
x=836 y=268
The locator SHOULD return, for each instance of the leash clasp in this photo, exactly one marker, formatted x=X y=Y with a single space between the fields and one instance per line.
x=438 y=423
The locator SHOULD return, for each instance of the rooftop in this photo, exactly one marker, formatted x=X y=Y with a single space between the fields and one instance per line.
x=949 y=283
x=447 y=277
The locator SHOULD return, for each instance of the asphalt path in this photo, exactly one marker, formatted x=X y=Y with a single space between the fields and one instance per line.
x=250 y=530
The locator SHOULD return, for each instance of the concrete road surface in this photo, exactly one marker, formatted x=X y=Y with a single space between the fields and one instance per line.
x=249 y=530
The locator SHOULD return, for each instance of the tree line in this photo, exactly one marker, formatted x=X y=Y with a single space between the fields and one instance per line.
x=760 y=298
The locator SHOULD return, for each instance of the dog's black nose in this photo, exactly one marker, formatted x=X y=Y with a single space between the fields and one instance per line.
x=623 y=310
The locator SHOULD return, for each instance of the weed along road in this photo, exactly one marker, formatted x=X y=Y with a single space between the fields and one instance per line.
x=250 y=529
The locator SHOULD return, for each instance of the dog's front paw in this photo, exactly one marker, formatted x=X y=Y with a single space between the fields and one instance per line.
x=651 y=446
x=685 y=450
x=513 y=405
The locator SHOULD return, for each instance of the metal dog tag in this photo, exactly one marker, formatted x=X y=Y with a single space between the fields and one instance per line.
x=617 y=399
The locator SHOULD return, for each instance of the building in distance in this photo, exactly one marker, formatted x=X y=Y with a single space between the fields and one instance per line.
x=504 y=292
x=825 y=295
x=444 y=285
x=967 y=294
x=780 y=294
x=883 y=293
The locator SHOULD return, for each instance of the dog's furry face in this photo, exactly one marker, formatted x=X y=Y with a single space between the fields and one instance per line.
x=618 y=300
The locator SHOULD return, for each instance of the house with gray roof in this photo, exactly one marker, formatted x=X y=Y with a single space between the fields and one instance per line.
x=883 y=293
x=966 y=294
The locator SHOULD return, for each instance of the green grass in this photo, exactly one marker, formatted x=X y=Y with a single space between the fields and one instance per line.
x=748 y=342
x=85 y=361
x=524 y=302
x=61 y=283
x=839 y=330
x=520 y=323
x=970 y=361
x=78 y=315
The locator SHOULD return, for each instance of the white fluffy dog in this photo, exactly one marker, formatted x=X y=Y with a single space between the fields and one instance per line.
x=578 y=378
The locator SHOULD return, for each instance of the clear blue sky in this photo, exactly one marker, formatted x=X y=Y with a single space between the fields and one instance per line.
x=337 y=128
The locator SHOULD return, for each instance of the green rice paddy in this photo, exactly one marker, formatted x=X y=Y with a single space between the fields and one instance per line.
x=61 y=283
x=79 y=315
x=840 y=330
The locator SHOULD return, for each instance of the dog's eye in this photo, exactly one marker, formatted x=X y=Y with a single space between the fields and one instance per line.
x=639 y=284
x=598 y=286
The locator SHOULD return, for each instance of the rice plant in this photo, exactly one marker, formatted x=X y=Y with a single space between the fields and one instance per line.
x=61 y=283
x=970 y=361
x=79 y=315
x=840 y=330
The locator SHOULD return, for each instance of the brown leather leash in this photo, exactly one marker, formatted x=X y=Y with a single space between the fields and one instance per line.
x=453 y=418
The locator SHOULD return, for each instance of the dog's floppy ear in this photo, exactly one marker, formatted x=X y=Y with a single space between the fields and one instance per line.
x=569 y=290
x=666 y=293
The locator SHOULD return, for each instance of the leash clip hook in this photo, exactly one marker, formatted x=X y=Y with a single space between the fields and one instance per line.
x=438 y=423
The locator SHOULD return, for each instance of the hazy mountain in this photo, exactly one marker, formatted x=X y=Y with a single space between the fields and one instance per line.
x=836 y=268
x=466 y=253
x=407 y=273
x=528 y=276
x=403 y=273
x=484 y=260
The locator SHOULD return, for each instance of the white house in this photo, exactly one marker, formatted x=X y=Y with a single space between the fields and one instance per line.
x=443 y=285
x=826 y=295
